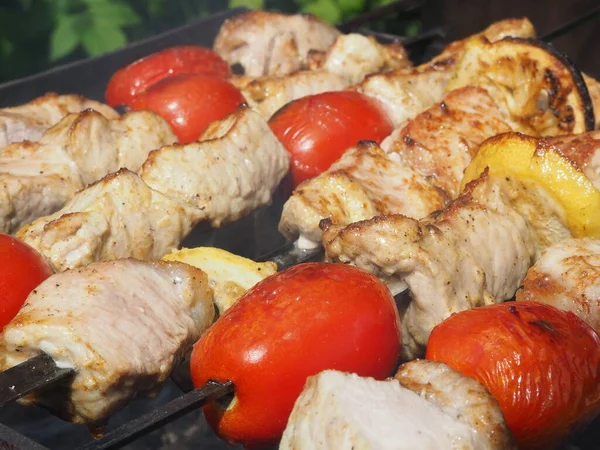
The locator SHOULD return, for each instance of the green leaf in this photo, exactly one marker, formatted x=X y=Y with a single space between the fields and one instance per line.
x=348 y=7
x=101 y=38
x=155 y=7
x=253 y=4
x=65 y=37
x=327 y=10
x=116 y=13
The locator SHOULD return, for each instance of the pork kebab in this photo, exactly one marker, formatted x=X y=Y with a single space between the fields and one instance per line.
x=419 y=167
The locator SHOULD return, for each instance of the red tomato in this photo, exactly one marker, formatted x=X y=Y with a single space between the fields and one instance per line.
x=138 y=76
x=294 y=324
x=318 y=129
x=541 y=364
x=189 y=103
x=21 y=270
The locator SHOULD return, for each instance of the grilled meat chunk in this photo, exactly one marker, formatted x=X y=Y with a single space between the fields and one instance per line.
x=347 y=62
x=567 y=276
x=342 y=411
x=583 y=150
x=363 y=183
x=28 y=122
x=266 y=43
x=407 y=92
x=420 y=169
x=37 y=178
x=117 y=217
x=450 y=260
x=233 y=169
x=122 y=325
x=440 y=142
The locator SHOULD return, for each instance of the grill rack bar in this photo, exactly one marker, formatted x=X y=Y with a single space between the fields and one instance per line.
x=127 y=433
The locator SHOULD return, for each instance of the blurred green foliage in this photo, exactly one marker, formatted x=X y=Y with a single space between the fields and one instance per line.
x=36 y=34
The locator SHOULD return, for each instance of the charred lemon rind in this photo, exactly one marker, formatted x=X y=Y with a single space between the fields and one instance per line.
x=539 y=89
x=535 y=162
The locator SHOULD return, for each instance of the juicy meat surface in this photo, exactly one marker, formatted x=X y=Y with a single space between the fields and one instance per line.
x=29 y=121
x=116 y=217
x=347 y=62
x=268 y=94
x=407 y=92
x=419 y=170
x=122 y=325
x=567 y=276
x=440 y=143
x=343 y=411
x=583 y=150
x=266 y=43
x=450 y=261
x=363 y=183
x=234 y=168
x=37 y=178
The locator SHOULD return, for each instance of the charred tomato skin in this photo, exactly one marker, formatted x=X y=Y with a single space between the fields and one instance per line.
x=542 y=365
x=22 y=269
x=134 y=79
x=294 y=324
x=317 y=129
x=189 y=103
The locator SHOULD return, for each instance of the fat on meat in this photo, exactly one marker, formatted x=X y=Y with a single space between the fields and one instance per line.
x=450 y=261
x=37 y=178
x=347 y=62
x=567 y=276
x=417 y=172
x=426 y=406
x=267 y=43
x=117 y=217
x=234 y=168
x=29 y=121
x=122 y=325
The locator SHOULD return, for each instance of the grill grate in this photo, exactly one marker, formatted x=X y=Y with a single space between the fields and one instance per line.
x=421 y=47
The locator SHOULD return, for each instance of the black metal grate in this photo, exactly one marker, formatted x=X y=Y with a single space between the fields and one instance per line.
x=94 y=73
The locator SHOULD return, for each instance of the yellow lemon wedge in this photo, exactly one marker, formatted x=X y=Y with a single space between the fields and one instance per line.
x=229 y=275
x=538 y=89
x=541 y=183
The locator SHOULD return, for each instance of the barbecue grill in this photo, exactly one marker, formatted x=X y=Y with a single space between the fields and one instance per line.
x=175 y=413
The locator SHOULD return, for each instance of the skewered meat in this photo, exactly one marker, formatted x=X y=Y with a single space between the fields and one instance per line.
x=427 y=406
x=537 y=88
x=583 y=150
x=347 y=62
x=567 y=276
x=117 y=217
x=266 y=43
x=37 y=178
x=450 y=260
x=420 y=170
x=28 y=122
x=123 y=325
x=232 y=170
x=405 y=93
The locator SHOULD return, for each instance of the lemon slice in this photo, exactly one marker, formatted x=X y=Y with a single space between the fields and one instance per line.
x=229 y=275
x=542 y=184
x=539 y=90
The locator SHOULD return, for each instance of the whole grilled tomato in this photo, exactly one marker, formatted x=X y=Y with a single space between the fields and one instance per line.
x=289 y=326
x=541 y=364
x=137 y=77
x=318 y=129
